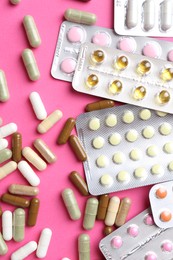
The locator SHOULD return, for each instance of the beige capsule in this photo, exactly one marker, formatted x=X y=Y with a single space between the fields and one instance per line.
x=4 y=92
x=34 y=159
x=71 y=204
x=123 y=211
x=84 y=247
x=7 y=168
x=31 y=31
x=30 y=64
x=26 y=190
x=112 y=211
x=90 y=213
x=3 y=246
x=18 y=224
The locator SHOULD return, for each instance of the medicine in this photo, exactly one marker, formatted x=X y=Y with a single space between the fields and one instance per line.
x=24 y=251
x=15 y=200
x=26 y=190
x=99 y=105
x=3 y=144
x=31 y=31
x=44 y=242
x=77 y=16
x=66 y=131
x=79 y=182
x=30 y=64
x=132 y=14
x=71 y=204
x=84 y=247
x=166 y=15
x=1 y=211
x=90 y=213
x=49 y=122
x=149 y=17
x=45 y=151
x=38 y=106
x=102 y=208
x=77 y=148
x=17 y=147
x=7 y=168
x=112 y=210
x=34 y=159
x=28 y=173
x=4 y=92
x=15 y=2
x=33 y=212
x=7 y=130
x=107 y=230
x=18 y=224
x=3 y=246
x=123 y=212
x=7 y=225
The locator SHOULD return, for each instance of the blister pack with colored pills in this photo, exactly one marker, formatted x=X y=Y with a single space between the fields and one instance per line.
x=143 y=18
x=140 y=239
x=125 y=77
x=72 y=35
x=161 y=201
x=126 y=147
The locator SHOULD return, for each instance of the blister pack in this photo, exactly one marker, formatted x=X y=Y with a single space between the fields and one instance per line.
x=138 y=239
x=72 y=35
x=161 y=198
x=126 y=147
x=143 y=17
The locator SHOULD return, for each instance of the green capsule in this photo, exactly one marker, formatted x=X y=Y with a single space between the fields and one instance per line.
x=18 y=224
x=3 y=246
x=4 y=93
x=5 y=155
x=84 y=247
x=30 y=64
x=90 y=213
x=71 y=204
x=31 y=31
x=78 y=16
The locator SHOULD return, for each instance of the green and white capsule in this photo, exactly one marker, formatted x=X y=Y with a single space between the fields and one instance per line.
x=84 y=247
x=4 y=92
x=31 y=31
x=19 y=225
x=30 y=64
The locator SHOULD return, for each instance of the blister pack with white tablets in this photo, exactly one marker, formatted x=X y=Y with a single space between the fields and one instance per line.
x=161 y=201
x=125 y=77
x=126 y=147
x=72 y=35
x=143 y=17
x=138 y=239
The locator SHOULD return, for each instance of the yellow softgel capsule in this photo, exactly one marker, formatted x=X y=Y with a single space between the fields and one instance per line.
x=92 y=81
x=97 y=57
x=121 y=63
x=115 y=87
x=139 y=93
x=163 y=97
x=166 y=74
x=144 y=67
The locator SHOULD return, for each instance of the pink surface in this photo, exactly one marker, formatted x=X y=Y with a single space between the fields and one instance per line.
x=55 y=95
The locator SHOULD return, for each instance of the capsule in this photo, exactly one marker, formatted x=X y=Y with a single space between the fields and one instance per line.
x=3 y=246
x=38 y=106
x=17 y=147
x=132 y=14
x=7 y=225
x=90 y=213
x=5 y=155
x=34 y=159
x=24 y=251
x=28 y=173
x=84 y=247
x=102 y=208
x=77 y=148
x=123 y=212
x=15 y=200
x=4 y=92
x=149 y=18
x=30 y=64
x=66 y=131
x=166 y=15
x=7 y=168
x=112 y=211
x=3 y=144
x=18 y=224
x=15 y=2
x=7 y=130
x=99 y=105
x=1 y=211
x=33 y=212
x=71 y=204
x=26 y=190
x=31 y=31
x=45 y=151
x=79 y=182
x=77 y=16
x=49 y=122
x=44 y=242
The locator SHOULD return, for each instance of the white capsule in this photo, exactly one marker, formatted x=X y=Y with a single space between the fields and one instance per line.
x=38 y=106
x=24 y=251
x=166 y=15
x=7 y=225
x=28 y=173
x=132 y=14
x=149 y=15
x=7 y=130
x=3 y=144
x=3 y=246
x=43 y=243
x=7 y=168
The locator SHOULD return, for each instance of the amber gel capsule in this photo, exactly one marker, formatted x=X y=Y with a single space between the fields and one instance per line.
x=15 y=200
x=123 y=212
x=90 y=213
x=66 y=131
x=103 y=204
x=84 y=247
x=77 y=16
x=79 y=182
x=77 y=148
x=31 y=31
x=3 y=246
x=33 y=211
x=23 y=190
x=18 y=224
x=17 y=147
x=30 y=64
x=4 y=92
x=99 y=105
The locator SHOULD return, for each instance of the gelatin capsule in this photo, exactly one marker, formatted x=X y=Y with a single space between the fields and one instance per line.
x=139 y=93
x=7 y=168
x=33 y=211
x=99 y=105
x=132 y=14
x=97 y=57
x=121 y=63
x=18 y=224
x=45 y=151
x=166 y=15
x=123 y=212
x=7 y=225
x=17 y=147
x=44 y=242
x=66 y=131
x=112 y=210
x=15 y=2
x=30 y=64
x=28 y=173
x=3 y=144
x=4 y=92
x=38 y=106
x=26 y=190
x=15 y=200
x=7 y=130
x=115 y=87
x=3 y=246
x=79 y=182
x=102 y=207
x=166 y=74
x=34 y=159
x=77 y=16
x=71 y=204
x=24 y=251
x=90 y=213
x=77 y=148
x=84 y=247
x=144 y=67
x=31 y=31
x=163 y=97
x=92 y=81
x=149 y=15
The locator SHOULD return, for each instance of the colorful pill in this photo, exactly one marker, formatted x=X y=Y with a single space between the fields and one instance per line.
x=116 y=242
x=161 y=193
x=149 y=18
x=15 y=200
x=123 y=211
x=18 y=224
x=15 y=2
x=99 y=105
x=7 y=130
x=24 y=251
x=112 y=210
x=84 y=247
x=28 y=173
x=133 y=230
x=31 y=31
x=77 y=148
x=66 y=131
x=71 y=204
x=4 y=92
x=77 y=16
x=79 y=182
x=3 y=246
x=165 y=216
x=167 y=246
x=17 y=147
x=44 y=242
x=30 y=64
x=7 y=225
x=26 y=190
x=90 y=213
x=107 y=230
x=150 y=256
x=102 y=207
x=33 y=212
x=132 y=14
x=7 y=168
x=34 y=159
x=38 y=106
x=3 y=144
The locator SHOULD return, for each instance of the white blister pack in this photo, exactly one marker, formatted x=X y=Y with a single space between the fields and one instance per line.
x=125 y=77
x=143 y=17
x=138 y=239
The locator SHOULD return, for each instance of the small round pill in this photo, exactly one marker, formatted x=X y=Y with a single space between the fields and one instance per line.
x=135 y=154
x=148 y=220
x=148 y=132
x=94 y=123
x=152 y=150
x=106 y=180
x=167 y=246
x=157 y=169
x=132 y=135
x=127 y=44
x=128 y=117
x=116 y=242
x=170 y=55
x=118 y=158
x=133 y=230
x=145 y=114
x=102 y=161
x=75 y=34
x=150 y=256
x=170 y=166
x=165 y=216
x=165 y=129
x=115 y=139
x=107 y=230
x=161 y=193
x=98 y=142
x=101 y=38
x=123 y=176
x=111 y=120
x=161 y=114
x=168 y=147
x=68 y=66
x=140 y=173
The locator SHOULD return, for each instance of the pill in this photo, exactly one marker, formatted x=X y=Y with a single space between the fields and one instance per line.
x=77 y=148
x=30 y=64
x=106 y=180
x=168 y=148
x=71 y=204
x=102 y=207
x=7 y=130
x=68 y=66
x=123 y=176
x=44 y=242
x=132 y=135
x=128 y=117
x=3 y=144
x=102 y=161
x=76 y=34
x=77 y=16
x=161 y=114
x=90 y=213
x=152 y=49
x=45 y=151
x=26 y=190
x=124 y=208
x=140 y=173
x=94 y=123
x=112 y=210
x=165 y=216
x=115 y=139
x=15 y=200
x=18 y=224
x=28 y=173
x=127 y=44
x=148 y=220
x=34 y=159
x=166 y=15
x=108 y=230
x=24 y=251
x=98 y=142
x=101 y=38
x=167 y=246
x=157 y=169
x=161 y=193
x=37 y=105
x=165 y=129
x=49 y=122
x=7 y=168
x=97 y=57
x=84 y=247
x=148 y=132
x=99 y=105
x=31 y=31
x=152 y=151
x=170 y=166
x=132 y=14
x=17 y=147
x=135 y=154
x=3 y=246
x=4 y=92
x=15 y=2
x=145 y=114
x=118 y=158
x=111 y=120
x=149 y=17
x=150 y=256
x=79 y=183
x=7 y=225
x=133 y=230
x=116 y=242
x=33 y=212
x=66 y=131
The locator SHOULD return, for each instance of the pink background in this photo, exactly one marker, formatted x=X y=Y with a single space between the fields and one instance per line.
x=55 y=95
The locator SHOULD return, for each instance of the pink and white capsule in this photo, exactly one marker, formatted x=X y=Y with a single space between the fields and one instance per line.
x=24 y=251
x=3 y=144
x=7 y=225
x=28 y=173
x=7 y=130
x=38 y=106
x=43 y=243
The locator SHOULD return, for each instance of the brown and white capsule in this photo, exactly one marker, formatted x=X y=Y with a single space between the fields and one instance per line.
x=7 y=168
x=123 y=211
x=26 y=190
x=15 y=200
x=17 y=147
x=99 y=105
x=79 y=182
x=66 y=131
x=33 y=212
x=77 y=148
x=102 y=208
x=34 y=159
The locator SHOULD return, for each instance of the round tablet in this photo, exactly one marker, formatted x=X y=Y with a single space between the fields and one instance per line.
x=98 y=142
x=116 y=242
x=101 y=39
x=68 y=65
x=118 y=157
x=148 y=132
x=170 y=166
x=132 y=135
x=150 y=256
x=127 y=44
x=165 y=129
x=75 y=34
x=170 y=55
x=102 y=161
x=133 y=230
x=167 y=246
x=135 y=154
x=161 y=114
x=111 y=120
x=145 y=114
x=128 y=117
x=123 y=176
x=148 y=220
x=165 y=216
x=157 y=169
x=168 y=147
x=152 y=151
x=161 y=193
x=106 y=180
x=152 y=49
x=115 y=139
x=94 y=123
x=140 y=173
